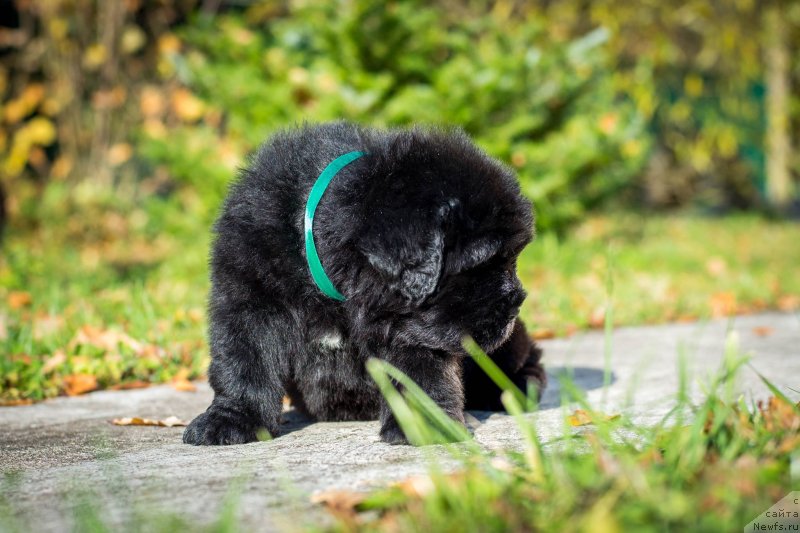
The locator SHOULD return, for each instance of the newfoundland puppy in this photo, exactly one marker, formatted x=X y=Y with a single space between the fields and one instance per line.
x=340 y=243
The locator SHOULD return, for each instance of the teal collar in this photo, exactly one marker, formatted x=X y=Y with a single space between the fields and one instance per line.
x=314 y=264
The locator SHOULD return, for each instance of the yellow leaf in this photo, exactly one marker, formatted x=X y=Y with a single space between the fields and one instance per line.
x=583 y=418
x=168 y=422
x=94 y=56
x=40 y=131
x=132 y=40
x=168 y=44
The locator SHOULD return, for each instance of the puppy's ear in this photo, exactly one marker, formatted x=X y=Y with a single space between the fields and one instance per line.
x=409 y=255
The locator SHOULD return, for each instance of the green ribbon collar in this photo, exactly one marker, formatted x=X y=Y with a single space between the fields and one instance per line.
x=314 y=264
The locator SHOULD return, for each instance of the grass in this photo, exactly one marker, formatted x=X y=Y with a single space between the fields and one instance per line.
x=714 y=466
x=666 y=268
x=102 y=290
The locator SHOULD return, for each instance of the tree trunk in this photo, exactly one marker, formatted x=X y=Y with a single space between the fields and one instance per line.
x=779 y=180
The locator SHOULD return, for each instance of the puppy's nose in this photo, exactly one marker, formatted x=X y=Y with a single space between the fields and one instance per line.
x=516 y=298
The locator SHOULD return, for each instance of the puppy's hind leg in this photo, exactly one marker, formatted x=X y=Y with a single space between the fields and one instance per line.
x=246 y=377
x=519 y=358
x=439 y=375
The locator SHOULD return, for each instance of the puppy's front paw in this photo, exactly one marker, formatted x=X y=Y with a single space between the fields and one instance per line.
x=392 y=434
x=212 y=428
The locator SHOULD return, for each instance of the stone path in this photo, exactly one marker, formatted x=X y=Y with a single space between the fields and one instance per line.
x=57 y=449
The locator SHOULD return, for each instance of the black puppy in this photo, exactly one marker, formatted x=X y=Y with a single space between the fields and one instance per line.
x=341 y=243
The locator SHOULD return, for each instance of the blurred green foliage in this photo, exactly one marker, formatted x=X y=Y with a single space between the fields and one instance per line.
x=581 y=98
x=548 y=108
x=701 y=74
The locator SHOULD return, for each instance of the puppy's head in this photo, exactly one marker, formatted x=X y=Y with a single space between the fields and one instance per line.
x=447 y=224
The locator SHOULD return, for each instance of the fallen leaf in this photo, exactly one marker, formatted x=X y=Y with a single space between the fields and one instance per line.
x=789 y=302
x=722 y=304
x=183 y=385
x=172 y=421
x=583 y=418
x=716 y=266
x=543 y=333
x=106 y=339
x=15 y=403
x=598 y=318
x=195 y=315
x=54 y=361
x=342 y=499
x=151 y=102
x=45 y=325
x=417 y=486
x=76 y=384
x=119 y=153
x=763 y=331
x=187 y=106
x=19 y=299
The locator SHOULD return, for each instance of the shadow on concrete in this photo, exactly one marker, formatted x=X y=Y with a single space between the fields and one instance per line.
x=294 y=420
x=584 y=378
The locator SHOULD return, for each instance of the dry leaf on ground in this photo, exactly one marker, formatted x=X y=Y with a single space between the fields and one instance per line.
x=543 y=333
x=105 y=339
x=722 y=304
x=763 y=331
x=76 y=384
x=417 y=486
x=15 y=403
x=172 y=421
x=54 y=361
x=583 y=418
x=340 y=499
x=180 y=381
x=789 y=302
x=18 y=299
x=183 y=385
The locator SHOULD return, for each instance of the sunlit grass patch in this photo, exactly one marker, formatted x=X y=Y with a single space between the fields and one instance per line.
x=95 y=296
x=666 y=268
x=711 y=466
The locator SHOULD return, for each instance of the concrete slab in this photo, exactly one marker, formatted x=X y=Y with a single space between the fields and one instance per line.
x=54 y=451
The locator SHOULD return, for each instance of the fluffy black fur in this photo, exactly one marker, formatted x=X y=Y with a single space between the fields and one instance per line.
x=421 y=235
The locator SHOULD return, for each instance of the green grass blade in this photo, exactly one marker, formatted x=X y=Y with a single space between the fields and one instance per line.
x=775 y=390
x=449 y=429
x=414 y=427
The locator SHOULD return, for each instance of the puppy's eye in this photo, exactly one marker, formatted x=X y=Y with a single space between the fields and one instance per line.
x=490 y=263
